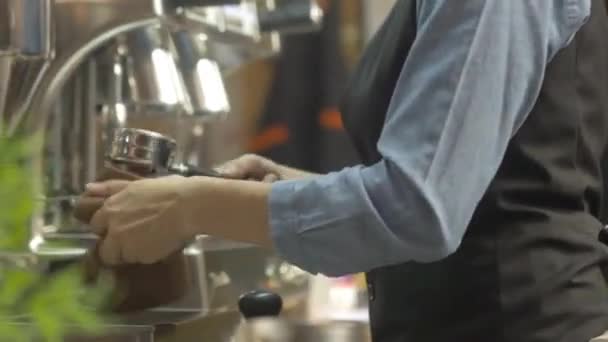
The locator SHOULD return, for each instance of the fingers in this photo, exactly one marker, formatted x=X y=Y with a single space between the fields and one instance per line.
x=233 y=169
x=143 y=251
x=129 y=255
x=86 y=207
x=105 y=189
x=112 y=172
x=110 y=251
x=100 y=221
x=249 y=166
x=270 y=178
x=114 y=251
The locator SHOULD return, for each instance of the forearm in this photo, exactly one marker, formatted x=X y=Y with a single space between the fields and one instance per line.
x=441 y=144
x=231 y=209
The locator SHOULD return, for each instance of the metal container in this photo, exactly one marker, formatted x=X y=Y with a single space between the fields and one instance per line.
x=142 y=149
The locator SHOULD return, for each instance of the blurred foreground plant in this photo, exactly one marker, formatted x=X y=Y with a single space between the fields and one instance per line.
x=51 y=305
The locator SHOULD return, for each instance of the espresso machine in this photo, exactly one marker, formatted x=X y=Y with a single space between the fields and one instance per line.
x=77 y=71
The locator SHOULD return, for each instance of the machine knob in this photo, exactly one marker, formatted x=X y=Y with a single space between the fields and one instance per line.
x=260 y=303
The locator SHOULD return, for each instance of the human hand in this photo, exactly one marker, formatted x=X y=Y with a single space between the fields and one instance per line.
x=89 y=202
x=142 y=221
x=254 y=167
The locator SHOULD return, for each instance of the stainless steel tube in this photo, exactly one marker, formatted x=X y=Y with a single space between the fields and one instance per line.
x=5 y=77
x=31 y=29
x=202 y=76
x=153 y=76
x=6 y=22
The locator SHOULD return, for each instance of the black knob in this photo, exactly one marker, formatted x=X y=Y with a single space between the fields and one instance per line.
x=603 y=235
x=260 y=303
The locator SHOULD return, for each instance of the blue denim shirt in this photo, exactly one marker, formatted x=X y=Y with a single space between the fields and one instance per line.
x=471 y=78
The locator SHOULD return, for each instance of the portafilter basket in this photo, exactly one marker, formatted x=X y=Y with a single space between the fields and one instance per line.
x=147 y=150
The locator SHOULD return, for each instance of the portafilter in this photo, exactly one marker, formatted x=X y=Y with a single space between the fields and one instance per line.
x=142 y=151
x=149 y=153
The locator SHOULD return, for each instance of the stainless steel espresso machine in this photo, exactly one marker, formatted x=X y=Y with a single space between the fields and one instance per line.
x=75 y=71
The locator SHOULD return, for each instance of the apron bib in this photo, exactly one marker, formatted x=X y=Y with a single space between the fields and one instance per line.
x=530 y=265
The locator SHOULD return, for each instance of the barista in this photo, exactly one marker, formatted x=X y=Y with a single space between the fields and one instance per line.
x=481 y=124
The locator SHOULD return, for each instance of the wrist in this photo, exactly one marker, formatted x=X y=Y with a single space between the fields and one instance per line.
x=191 y=192
x=230 y=209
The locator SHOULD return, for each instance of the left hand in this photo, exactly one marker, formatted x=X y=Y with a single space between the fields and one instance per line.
x=142 y=221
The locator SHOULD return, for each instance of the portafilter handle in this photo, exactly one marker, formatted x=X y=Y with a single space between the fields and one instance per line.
x=201 y=3
x=150 y=154
x=191 y=171
x=260 y=303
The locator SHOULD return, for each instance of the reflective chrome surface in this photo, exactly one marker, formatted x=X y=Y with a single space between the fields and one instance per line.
x=77 y=70
x=278 y=330
x=78 y=28
x=6 y=20
x=25 y=27
x=31 y=31
x=144 y=148
x=70 y=156
x=202 y=76
x=291 y=16
x=153 y=78
x=6 y=63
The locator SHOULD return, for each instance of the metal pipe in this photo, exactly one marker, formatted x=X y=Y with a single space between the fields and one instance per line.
x=203 y=79
x=25 y=27
x=154 y=76
x=25 y=43
x=31 y=31
x=6 y=63
x=6 y=22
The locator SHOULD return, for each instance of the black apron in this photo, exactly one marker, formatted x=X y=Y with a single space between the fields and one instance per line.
x=530 y=265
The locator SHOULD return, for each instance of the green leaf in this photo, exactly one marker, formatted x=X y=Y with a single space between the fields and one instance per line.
x=55 y=305
x=13 y=284
x=15 y=332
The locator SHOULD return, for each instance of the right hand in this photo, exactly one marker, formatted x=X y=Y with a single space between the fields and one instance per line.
x=254 y=167
x=143 y=221
x=89 y=202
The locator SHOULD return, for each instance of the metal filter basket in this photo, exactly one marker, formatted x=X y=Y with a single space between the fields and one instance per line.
x=143 y=149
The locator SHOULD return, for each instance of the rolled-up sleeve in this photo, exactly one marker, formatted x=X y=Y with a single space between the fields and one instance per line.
x=471 y=78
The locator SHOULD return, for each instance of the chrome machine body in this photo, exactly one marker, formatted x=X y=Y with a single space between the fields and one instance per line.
x=76 y=70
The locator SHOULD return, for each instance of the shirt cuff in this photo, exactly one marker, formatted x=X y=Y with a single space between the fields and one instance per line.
x=285 y=225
